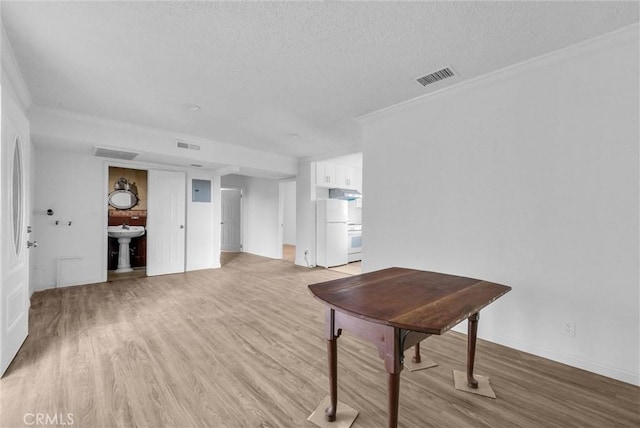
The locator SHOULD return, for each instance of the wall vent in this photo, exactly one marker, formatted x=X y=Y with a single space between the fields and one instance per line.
x=188 y=146
x=436 y=76
x=114 y=154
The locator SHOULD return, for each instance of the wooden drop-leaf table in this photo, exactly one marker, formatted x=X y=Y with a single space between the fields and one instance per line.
x=397 y=308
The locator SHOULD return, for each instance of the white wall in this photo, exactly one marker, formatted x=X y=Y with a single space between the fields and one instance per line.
x=527 y=177
x=305 y=216
x=288 y=190
x=73 y=186
x=260 y=220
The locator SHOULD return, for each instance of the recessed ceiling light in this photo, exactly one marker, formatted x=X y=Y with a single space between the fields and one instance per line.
x=192 y=107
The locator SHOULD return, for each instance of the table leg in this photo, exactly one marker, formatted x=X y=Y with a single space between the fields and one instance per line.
x=416 y=355
x=332 y=351
x=471 y=348
x=393 y=396
x=392 y=352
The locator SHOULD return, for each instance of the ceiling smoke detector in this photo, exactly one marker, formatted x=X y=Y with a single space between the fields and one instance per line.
x=436 y=76
x=114 y=153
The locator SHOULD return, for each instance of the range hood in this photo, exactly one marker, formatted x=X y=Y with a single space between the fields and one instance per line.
x=345 y=194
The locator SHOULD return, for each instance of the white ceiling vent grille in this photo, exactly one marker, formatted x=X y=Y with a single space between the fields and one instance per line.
x=188 y=146
x=114 y=154
x=436 y=76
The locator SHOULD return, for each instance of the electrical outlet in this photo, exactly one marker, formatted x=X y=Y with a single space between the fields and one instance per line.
x=569 y=328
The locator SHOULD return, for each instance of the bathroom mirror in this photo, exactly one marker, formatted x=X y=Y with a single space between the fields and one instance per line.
x=123 y=199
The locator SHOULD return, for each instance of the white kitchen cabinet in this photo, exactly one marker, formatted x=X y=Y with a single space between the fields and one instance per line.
x=346 y=176
x=337 y=176
x=326 y=175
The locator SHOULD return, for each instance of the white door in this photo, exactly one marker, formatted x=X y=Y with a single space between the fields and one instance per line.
x=166 y=201
x=14 y=261
x=231 y=233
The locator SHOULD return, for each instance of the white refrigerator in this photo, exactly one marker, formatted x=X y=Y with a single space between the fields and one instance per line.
x=332 y=216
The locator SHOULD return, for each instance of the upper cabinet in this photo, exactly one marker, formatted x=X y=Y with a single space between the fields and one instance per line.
x=326 y=175
x=337 y=176
x=346 y=176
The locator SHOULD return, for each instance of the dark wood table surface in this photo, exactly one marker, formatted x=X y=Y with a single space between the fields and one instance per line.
x=397 y=308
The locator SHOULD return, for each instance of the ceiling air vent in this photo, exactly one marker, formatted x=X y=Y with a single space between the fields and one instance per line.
x=183 y=145
x=115 y=154
x=436 y=76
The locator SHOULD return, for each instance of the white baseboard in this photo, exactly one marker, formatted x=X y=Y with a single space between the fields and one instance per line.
x=568 y=359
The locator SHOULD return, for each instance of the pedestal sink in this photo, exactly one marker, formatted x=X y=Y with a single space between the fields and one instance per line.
x=124 y=235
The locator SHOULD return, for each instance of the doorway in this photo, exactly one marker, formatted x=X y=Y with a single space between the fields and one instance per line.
x=127 y=209
x=231 y=220
x=287 y=191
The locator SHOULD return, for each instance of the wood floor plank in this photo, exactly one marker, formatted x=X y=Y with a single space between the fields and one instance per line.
x=242 y=346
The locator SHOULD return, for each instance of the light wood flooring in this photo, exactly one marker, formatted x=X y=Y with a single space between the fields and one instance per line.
x=289 y=253
x=353 y=268
x=112 y=275
x=242 y=346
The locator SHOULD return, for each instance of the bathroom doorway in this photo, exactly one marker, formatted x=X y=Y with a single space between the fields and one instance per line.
x=127 y=222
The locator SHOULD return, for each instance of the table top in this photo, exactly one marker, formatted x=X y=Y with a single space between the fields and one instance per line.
x=416 y=300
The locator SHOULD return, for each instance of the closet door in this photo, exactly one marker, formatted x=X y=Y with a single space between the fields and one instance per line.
x=166 y=222
x=231 y=222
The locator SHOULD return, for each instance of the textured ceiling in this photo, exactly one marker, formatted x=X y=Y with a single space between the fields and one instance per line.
x=262 y=71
